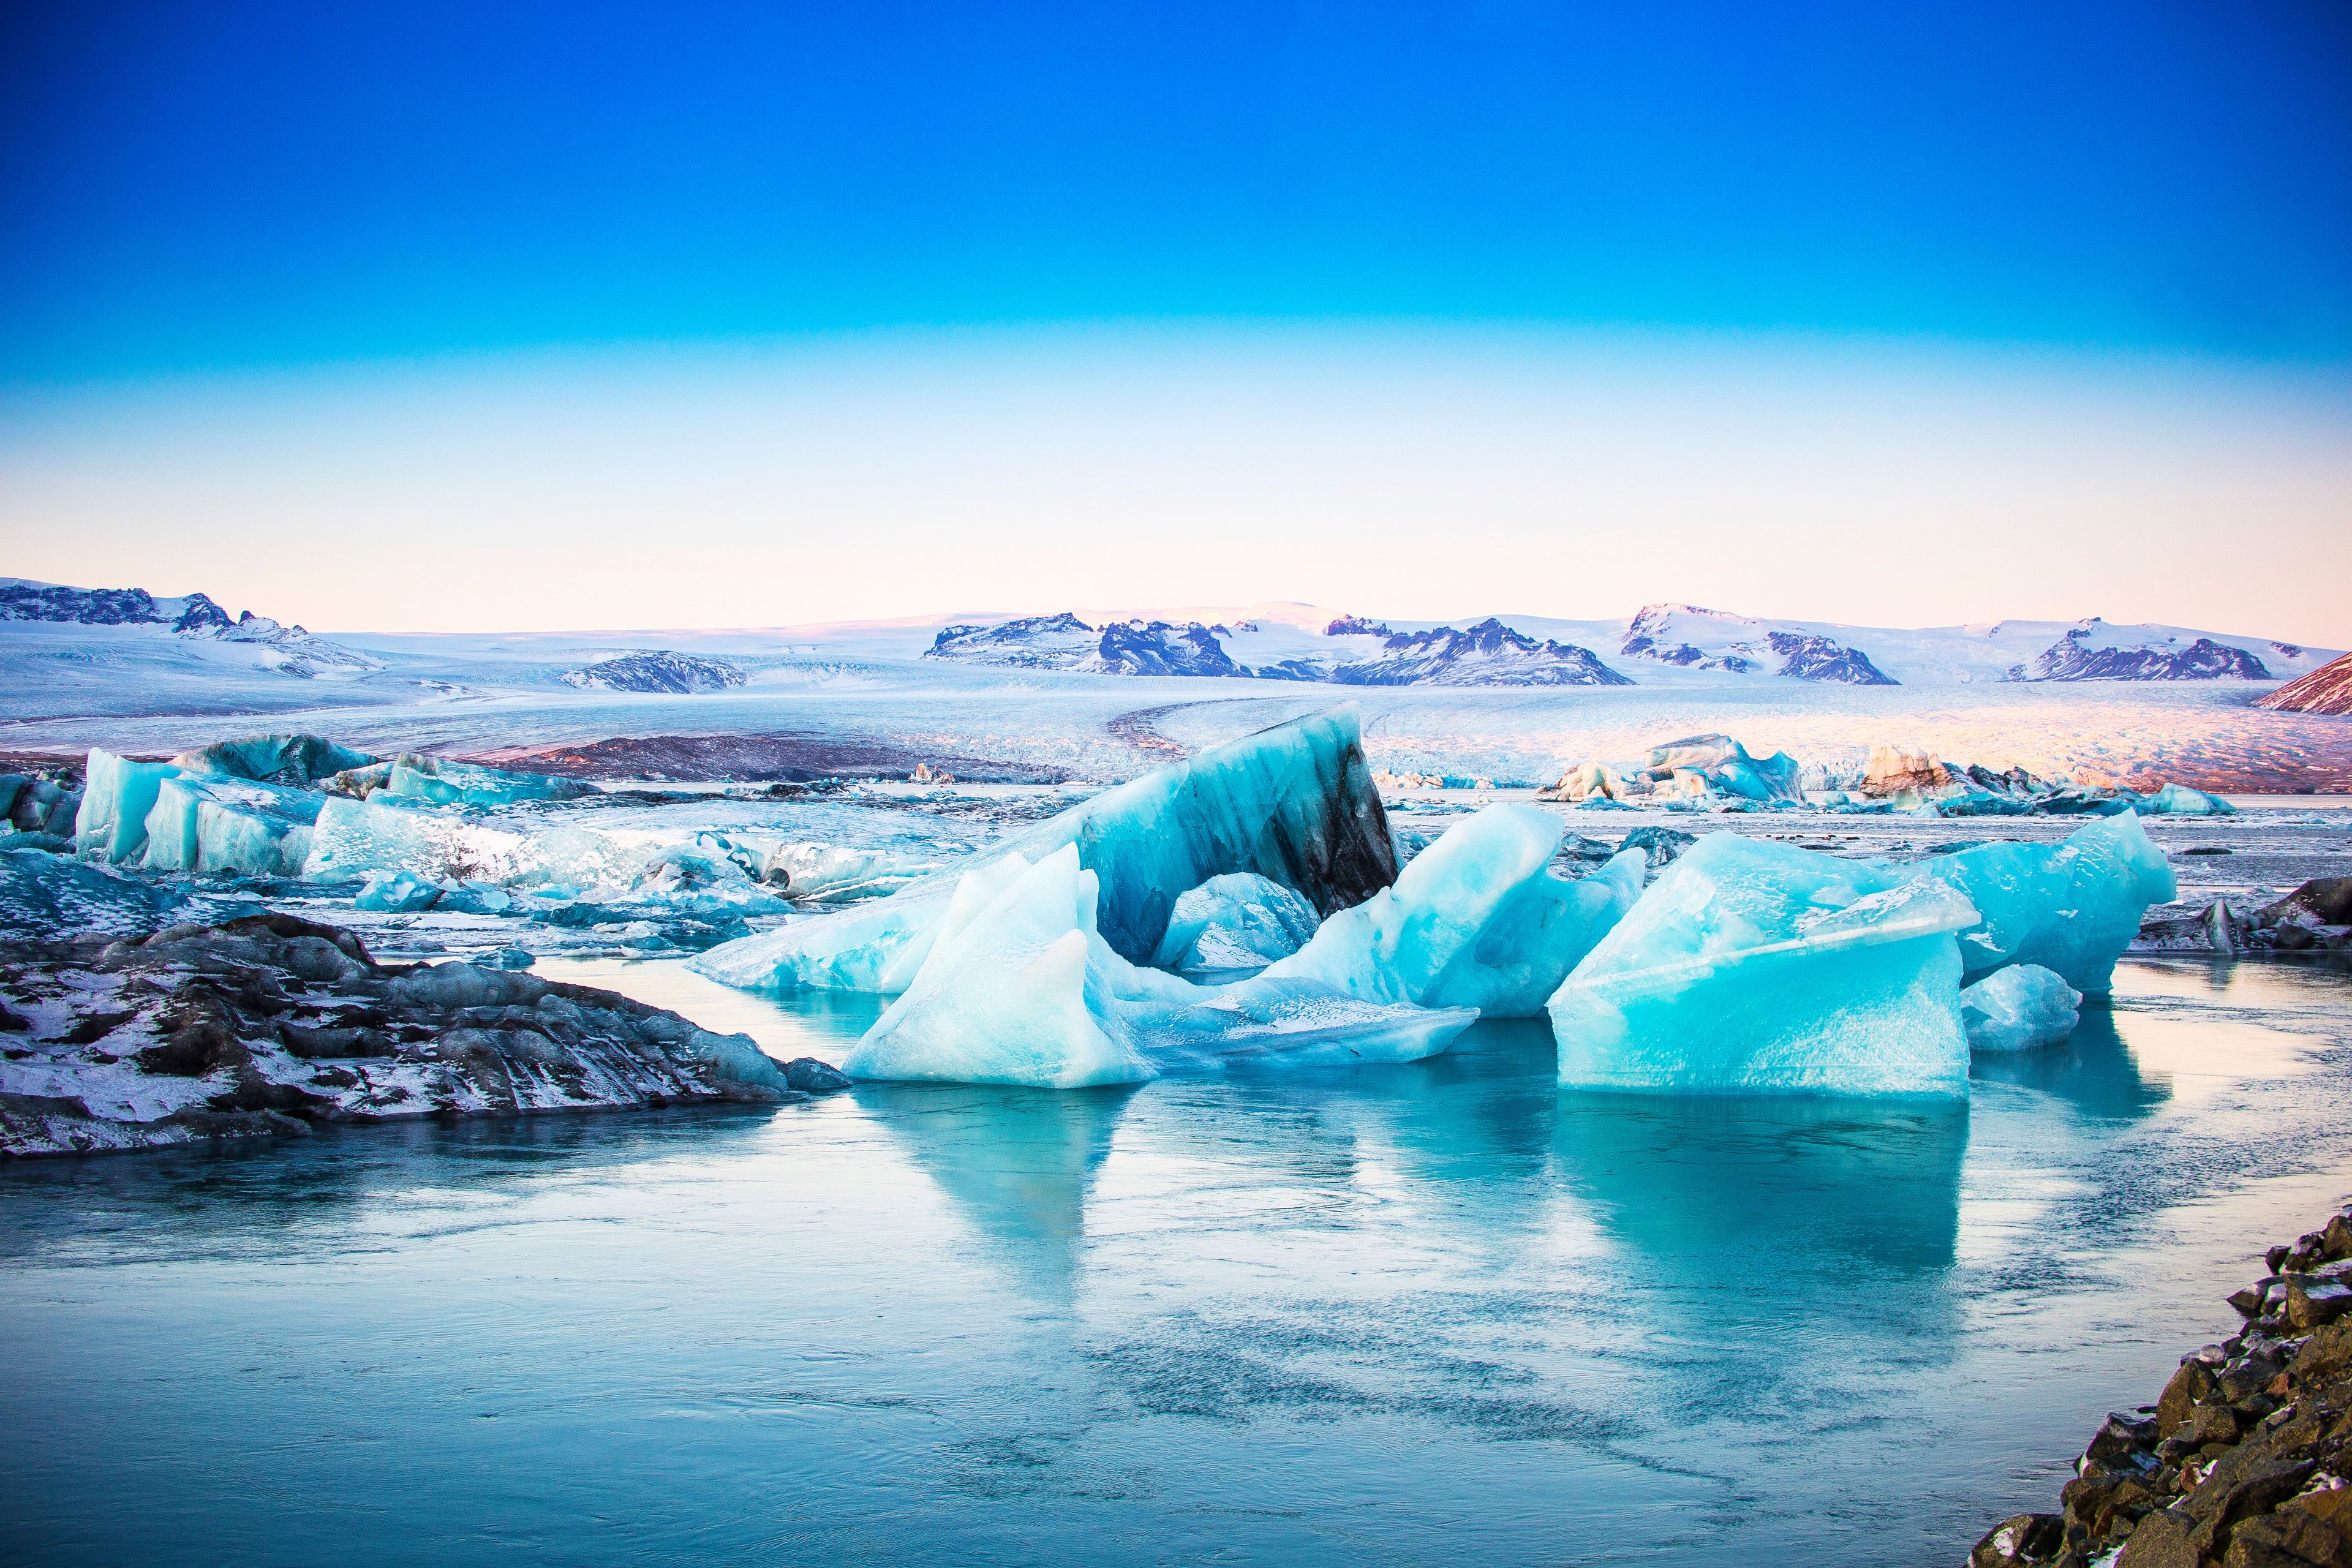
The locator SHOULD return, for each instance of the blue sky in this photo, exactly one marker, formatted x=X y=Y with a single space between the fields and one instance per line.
x=198 y=202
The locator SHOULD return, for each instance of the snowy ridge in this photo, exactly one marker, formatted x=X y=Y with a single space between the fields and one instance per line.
x=656 y=669
x=2327 y=690
x=288 y=650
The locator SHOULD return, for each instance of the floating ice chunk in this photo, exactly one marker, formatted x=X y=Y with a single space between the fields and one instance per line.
x=441 y=782
x=222 y=824
x=835 y=874
x=2072 y=907
x=1240 y=920
x=274 y=759
x=1756 y=967
x=397 y=892
x=1705 y=764
x=2019 y=1008
x=117 y=795
x=2180 y=800
x=1019 y=987
x=1477 y=920
x=1295 y=803
x=1003 y=998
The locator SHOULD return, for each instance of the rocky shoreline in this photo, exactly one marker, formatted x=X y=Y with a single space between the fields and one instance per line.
x=2245 y=1458
x=262 y=1026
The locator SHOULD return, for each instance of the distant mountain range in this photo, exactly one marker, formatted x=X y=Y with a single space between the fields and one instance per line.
x=291 y=650
x=1685 y=640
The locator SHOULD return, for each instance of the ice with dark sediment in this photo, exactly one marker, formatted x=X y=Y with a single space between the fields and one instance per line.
x=1295 y=803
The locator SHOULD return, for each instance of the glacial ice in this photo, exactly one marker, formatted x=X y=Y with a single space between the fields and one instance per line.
x=1295 y=803
x=2072 y=907
x=1239 y=921
x=2019 y=1008
x=2180 y=800
x=441 y=782
x=274 y=759
x=1477 y=920
x=1752 y=966
x=1019 y=987
x=397 y=892
x=117 y=795
x=221 y=825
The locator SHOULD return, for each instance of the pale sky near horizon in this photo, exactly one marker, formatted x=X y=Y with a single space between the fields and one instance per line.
x=1414 y=472
x=607 y=315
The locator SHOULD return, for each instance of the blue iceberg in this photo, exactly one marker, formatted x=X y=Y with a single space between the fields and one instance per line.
x=2019 y=1008
x=1295 y=803
x=1477 y=920
x=2072 y=908
x=2180 y=800
x=1018 y=986
x=1752 y=967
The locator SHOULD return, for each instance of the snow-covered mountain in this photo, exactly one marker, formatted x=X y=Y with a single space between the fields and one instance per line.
x=656 y=669
x=1674 y=644
x=1488 y=654
x=2327 y=690
x=288 y=650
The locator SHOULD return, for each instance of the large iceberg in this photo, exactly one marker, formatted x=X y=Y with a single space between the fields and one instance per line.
x=2072 y=907
x=1477 y=920
x=1752 y=966
x=274 y=759
x=222 y=825
x=2180 y=800
x=2019 y=1008
x=1019 y=986
x=1295 y=803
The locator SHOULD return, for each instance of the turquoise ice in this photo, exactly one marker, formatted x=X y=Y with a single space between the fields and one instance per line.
x=1752 y=967
x=1018 y=986
x=1477 y=920
x=1294 y=804
x=2180 y=800
x=2019 y=1008
x=2072 y=907
x=397 y=892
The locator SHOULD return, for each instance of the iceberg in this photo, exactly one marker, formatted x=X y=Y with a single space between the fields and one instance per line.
x=1295 y=803
x=2180 y=800
x=2019 y=1008
x=1020 y=988
x=1752 y=966
x=437 y=780
x=117 y=795
x=1477 y=920
x=225 y=824
x=1240 y=920
x=2072 y=907
x=296 y=760
x=397 y=892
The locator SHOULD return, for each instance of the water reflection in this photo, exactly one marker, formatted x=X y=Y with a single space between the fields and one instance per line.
x=1017 y=1162
x=2095 y=1072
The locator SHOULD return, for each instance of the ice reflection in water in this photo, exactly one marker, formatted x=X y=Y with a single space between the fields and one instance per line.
x=1436 y=1313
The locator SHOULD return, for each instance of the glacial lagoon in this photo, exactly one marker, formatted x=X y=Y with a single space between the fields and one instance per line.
x=1438 y=1312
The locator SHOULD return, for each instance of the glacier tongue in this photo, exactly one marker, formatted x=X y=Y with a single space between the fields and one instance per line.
x=1757 y=967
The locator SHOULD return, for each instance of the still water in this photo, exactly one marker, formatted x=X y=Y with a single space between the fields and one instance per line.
x=1441 y=1313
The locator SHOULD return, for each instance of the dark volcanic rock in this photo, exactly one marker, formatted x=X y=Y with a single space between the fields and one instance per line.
x=257 y=1027
x=2246 y=1460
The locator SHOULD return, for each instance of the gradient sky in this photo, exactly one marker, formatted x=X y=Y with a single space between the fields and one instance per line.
x=422 y=318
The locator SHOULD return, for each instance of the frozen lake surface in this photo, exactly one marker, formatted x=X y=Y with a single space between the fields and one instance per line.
x=1436 y=1313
